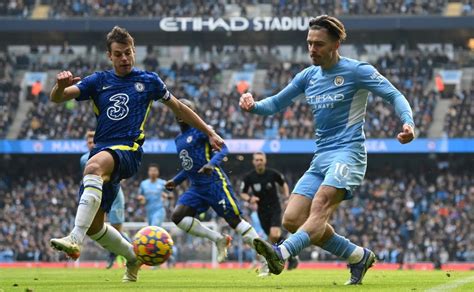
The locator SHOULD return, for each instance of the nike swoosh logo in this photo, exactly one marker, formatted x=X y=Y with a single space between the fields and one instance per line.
x=105 y=87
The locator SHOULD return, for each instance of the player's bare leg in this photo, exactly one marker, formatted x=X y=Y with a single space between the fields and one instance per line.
x=275 y=234
x=296 y=213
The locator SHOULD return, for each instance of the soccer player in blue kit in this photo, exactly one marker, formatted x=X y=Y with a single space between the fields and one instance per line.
x=116 y=215
x=152 y=192
x=336 y=88
x=121 y=98
x=210 y=187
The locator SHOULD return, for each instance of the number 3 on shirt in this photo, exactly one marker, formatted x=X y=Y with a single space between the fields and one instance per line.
x=119 y=109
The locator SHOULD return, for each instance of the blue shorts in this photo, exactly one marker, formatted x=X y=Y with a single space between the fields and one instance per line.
x=156 y=217
x=117 y=212
x=218 y=195
x=127 y=161
x=340 y=168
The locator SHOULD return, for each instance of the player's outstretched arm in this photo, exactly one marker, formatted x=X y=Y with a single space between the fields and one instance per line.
x=272 y=104
x=370 y=79
x=192 y=119
x=64 y=90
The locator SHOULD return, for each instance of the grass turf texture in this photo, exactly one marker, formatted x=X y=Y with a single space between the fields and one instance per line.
x=22 y=279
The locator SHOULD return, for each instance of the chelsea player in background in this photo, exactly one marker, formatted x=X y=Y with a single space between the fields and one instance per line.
x=121 y=99
x=210 y=187
x=116 y=215
x=336 y=88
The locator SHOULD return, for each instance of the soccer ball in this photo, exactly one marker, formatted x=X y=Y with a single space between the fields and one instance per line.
x=153 y=245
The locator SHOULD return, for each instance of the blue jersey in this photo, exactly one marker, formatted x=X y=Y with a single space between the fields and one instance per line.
x=194 y=152
x=121 y=104
x=338 y=98
x=152 y=192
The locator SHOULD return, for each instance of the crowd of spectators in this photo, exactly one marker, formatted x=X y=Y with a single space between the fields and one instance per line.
x=223 y=8
x=9 y=92
x=347 y=7
x=416 y=213
x=16 y=8
x=411 y=73
x=459 y=121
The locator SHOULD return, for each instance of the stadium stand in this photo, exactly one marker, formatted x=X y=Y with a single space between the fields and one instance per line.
x=9 y=92
x=128 y=8
x=459 y=120
x=411 y=72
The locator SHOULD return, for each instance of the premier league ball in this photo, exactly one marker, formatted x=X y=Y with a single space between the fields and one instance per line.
x=153 y=245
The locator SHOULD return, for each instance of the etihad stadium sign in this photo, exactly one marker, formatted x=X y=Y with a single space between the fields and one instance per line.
x=190 y=24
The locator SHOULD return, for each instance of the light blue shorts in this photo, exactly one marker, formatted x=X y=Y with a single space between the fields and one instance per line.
x=116 y=214
x=340 y=168
x=156 y=217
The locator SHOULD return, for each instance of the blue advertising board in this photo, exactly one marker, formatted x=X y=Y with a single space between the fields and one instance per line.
x=293 y=146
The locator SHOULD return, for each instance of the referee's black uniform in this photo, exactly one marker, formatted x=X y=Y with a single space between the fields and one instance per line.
x=264 y=187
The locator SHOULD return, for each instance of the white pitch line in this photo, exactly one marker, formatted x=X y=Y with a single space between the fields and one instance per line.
x=452 y=285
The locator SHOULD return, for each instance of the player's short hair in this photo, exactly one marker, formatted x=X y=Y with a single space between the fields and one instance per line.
x=90 y=134
x=119 y=35
x=260 y=153
x=153 y=165
x=188 y=103
x=333 y=25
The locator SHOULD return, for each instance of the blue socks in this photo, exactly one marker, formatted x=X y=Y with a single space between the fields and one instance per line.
x=294 y=244
x=339 y=246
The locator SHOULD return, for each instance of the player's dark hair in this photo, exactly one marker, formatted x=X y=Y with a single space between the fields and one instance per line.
x=119 y=35
x=153 y=165
x=333 y=25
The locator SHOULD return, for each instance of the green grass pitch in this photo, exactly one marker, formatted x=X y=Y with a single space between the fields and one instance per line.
x=90 y=280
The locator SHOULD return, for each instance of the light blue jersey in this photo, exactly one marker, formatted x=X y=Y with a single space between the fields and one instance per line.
x=152 y=192
x=116 y=215
x=338 y=99
x=83 y=161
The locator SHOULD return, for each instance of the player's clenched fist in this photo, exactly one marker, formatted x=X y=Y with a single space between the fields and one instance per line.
x=170 y=185
x=66 y=79
x=247 y=103
x=407 y=135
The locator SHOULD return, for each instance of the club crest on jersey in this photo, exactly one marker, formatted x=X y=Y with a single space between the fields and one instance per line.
x=189 y=139
x=339 y=80
x=139 y=87
x=186 y=161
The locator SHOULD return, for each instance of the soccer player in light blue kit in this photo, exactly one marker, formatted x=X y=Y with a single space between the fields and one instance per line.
x=121 y=99
x=336 y=88
x=116 y=214
x=152 y=192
